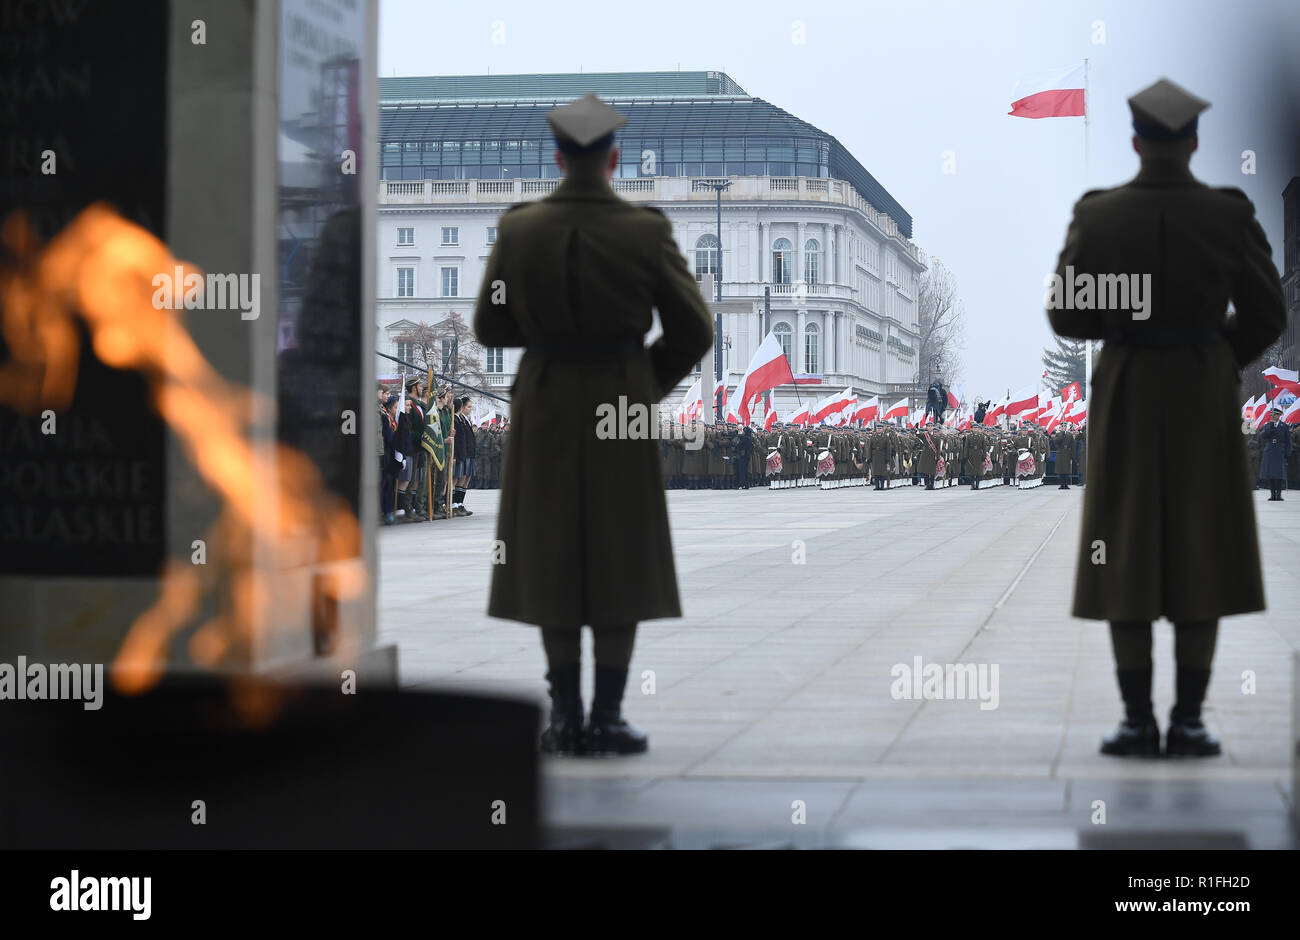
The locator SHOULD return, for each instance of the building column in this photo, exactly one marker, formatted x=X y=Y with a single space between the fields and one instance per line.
x=798 y=253
x=764 y=230
x=801 y=322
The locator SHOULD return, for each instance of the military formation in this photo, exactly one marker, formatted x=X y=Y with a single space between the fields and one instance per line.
x=883 y=456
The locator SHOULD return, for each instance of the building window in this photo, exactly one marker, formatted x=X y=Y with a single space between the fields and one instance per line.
x=785 y=336
x=782 y=261
x=706 y=256
x=450 y=235
x=405 y=350
x=406 y=236
x=495 y=359
x=448 y=352
x=811 y=348
x=406 y=282
x=491 y=234
x=451 y=282
x=812 y=254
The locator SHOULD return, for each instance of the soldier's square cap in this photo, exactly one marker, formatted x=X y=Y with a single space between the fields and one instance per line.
x=585 y=124
x=1165 y=111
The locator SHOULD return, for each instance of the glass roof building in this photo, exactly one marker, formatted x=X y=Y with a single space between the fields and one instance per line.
x=699 y=124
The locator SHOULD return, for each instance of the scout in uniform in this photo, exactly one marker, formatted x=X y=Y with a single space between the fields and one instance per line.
x=1181 y=546
x=573 y=278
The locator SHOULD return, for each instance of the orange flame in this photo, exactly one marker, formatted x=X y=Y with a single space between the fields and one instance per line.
x=100 y=269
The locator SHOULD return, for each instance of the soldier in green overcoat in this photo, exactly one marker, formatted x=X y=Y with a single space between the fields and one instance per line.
x=583 y=521
x=1155 y=544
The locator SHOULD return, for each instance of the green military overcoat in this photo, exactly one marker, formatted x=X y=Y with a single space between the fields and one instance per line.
x=583 y=523
x=1178 y=535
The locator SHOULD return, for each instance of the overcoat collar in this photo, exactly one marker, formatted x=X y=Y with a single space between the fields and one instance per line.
x=1165 y=173
x=583 y=187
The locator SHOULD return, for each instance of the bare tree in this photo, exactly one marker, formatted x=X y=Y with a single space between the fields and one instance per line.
x=940 y=323
x=449 y=348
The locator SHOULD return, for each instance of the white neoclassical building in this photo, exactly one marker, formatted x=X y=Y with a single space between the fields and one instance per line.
x=812 y=247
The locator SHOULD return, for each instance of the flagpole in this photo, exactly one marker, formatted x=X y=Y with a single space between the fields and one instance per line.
x=1087 y=183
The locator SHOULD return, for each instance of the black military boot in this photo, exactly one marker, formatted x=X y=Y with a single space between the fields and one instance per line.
x=1187 y=735
x=564 y=734
x=1138 y=735
x=607 y=732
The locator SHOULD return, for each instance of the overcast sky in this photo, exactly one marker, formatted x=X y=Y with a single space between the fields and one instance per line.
x=900 y=83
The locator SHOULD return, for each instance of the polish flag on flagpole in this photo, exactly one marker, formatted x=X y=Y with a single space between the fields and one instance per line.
x=1077 y=412
x=767 y=369
x=1021 y=400
x=1292 y=414
x=955 y=397
x=897 y=410
x=991 y=416
x=798 y=417
x=830 y=405
x=770 y=419
x=1248 y=409
x=869 y=410
x=691 y=402
x=1057 y=93
x=1282 y=379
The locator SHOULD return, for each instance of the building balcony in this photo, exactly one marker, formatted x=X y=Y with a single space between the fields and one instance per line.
x=786 y=293
x=652 y=190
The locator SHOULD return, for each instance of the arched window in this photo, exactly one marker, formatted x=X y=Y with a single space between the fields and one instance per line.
x=706 y=256
x=785 y=336
x=812 y=255
x=811 y=349
x=782 y=261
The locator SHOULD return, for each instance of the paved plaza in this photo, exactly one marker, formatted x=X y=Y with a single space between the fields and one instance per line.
x=773 y=695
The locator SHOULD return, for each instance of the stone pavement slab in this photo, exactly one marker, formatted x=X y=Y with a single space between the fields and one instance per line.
x=780 y=681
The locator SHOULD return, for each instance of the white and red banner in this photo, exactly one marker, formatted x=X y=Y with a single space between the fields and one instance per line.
x=1077 y=411
x=1292 y=414
x=897 y=410
x=767 y=369
x=1071 y=393
x=798 y=417
x=955 y=396
x=1282 y=380
x=1021 y=400
x=868 y=410
x=1056 y=93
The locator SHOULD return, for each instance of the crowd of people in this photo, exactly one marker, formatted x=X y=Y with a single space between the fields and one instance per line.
x=431 y=454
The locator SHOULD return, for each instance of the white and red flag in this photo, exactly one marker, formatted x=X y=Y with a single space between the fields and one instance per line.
x=770 y=419
x=1056 y=93
x=868 y=410
x=955 y=396
x=1021 y=400
x=831 y=405
x=692 y=403
x=1071 y=393
x=1077 y=411
x=1248 y=409
x=897 y=410
x=1292 y=414
x=1282 y=380
x=798 y=417
x=767 y=369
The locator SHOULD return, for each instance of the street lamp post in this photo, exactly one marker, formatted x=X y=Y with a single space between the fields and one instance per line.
x=718 y=186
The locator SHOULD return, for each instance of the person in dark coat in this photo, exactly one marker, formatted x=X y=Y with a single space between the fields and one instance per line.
x=573 y=278
x=744 y=450
x=466 y=456
x=392 y=460
x=980 y=412
x=1275 y=449
x=1155 y=544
